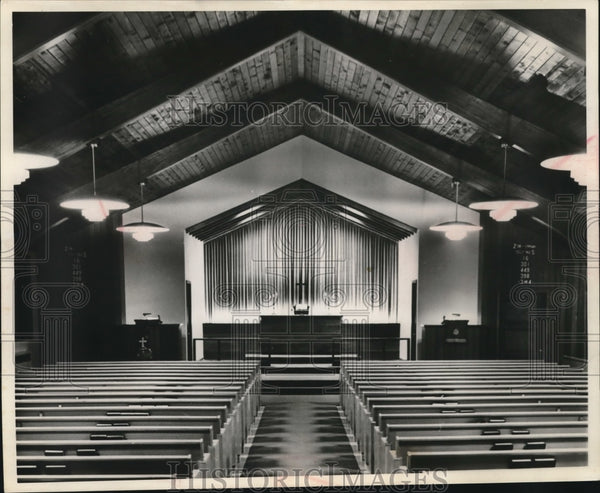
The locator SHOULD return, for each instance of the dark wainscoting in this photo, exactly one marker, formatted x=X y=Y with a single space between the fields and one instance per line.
x=317 y=335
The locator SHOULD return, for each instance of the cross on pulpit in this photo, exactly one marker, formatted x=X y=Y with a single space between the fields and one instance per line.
x=144 y=353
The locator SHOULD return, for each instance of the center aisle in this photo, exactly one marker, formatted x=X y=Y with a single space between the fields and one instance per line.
x=300 y=434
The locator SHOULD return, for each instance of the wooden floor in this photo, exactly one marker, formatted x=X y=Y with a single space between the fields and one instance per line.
x=300 y=436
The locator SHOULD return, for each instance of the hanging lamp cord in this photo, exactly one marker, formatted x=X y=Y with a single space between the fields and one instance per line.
x=505 y=147
x=456 y=184
x=93 y=146
x=142 y=198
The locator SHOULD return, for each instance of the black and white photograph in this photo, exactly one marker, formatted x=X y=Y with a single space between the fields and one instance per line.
x=299 y=245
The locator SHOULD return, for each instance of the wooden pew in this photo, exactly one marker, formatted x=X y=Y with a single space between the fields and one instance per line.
x=537 y=441
x=390 y=400
x=103 y=464
x=77 y=427
x=405 y=430
x=495 y=459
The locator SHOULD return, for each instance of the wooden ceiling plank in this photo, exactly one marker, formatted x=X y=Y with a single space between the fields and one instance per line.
x=457 y=39
x=170 y=25
x=222 y=19
x=369 y=50
x=352 y=80
x=469 y=41
x=550 y=64
x=114 y=36
x=243 y=80
x=478 y=58
x=577 y=55
x=156 y=29
x=231 y=82
x=316 y=60
x=579 y=89
x=22 y=58
x=213 y=22
x=381 y=19
x=411 y=23
x=499 y=62
x=287 y=60
x=421 y=26
x=508 y=67
x=448 y=36
x=565 y=79
x=535 y=64
x=141 y=30
x=390 y=22
x=491 y=60
x=179 y=19
x=267 y=79
x=64 y=141
x=202 y=23
x=328 y=72
x=308 y=53
x=192 y=22
x=132 y=42
x=274 y=66
x=344 y=79
x=401 y=23
x=499 y=49
x=430 y=28
x=534 y=53
x=442 y=27
x=320 y=55
x=301 y=40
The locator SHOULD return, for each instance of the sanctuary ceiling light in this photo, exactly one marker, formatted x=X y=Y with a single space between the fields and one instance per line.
x=581 y=166
x=455 y=230
x=22 y=162
x=504 y=208
x=142 y=231
x=94 y=208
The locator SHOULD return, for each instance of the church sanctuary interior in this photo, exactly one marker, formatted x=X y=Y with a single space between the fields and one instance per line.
x=248 y=242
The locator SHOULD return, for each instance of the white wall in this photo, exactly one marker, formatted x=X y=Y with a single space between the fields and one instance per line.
x=194 y=273
x=408 y=271
x=155 y=272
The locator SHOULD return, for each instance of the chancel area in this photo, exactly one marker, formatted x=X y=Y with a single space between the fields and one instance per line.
x=346 y=241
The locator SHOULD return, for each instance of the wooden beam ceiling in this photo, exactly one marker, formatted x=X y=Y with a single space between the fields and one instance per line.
x=304 y=58
x=123 y=181
x=390 y=58
x=233 y=46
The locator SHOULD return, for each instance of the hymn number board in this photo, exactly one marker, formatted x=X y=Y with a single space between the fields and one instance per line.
x=524 y=254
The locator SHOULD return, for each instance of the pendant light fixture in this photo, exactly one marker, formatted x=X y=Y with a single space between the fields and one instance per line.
x=142 y=231
x=455 y=230
x=94 y=208
x=22 y=162
x=503 y=209
x=581 y=166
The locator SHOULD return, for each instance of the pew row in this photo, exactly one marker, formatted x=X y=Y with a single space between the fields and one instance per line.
x=133 y=420
x=407 y=415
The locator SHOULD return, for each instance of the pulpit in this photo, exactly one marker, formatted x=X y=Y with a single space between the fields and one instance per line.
x=142 y=341
x=457 y=340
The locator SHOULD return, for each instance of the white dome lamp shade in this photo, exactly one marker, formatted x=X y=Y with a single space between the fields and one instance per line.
x=95 y=208
x=456 y=230
x=503 y=209
x=142 y=231
x=22 y=162
x=582 y=167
